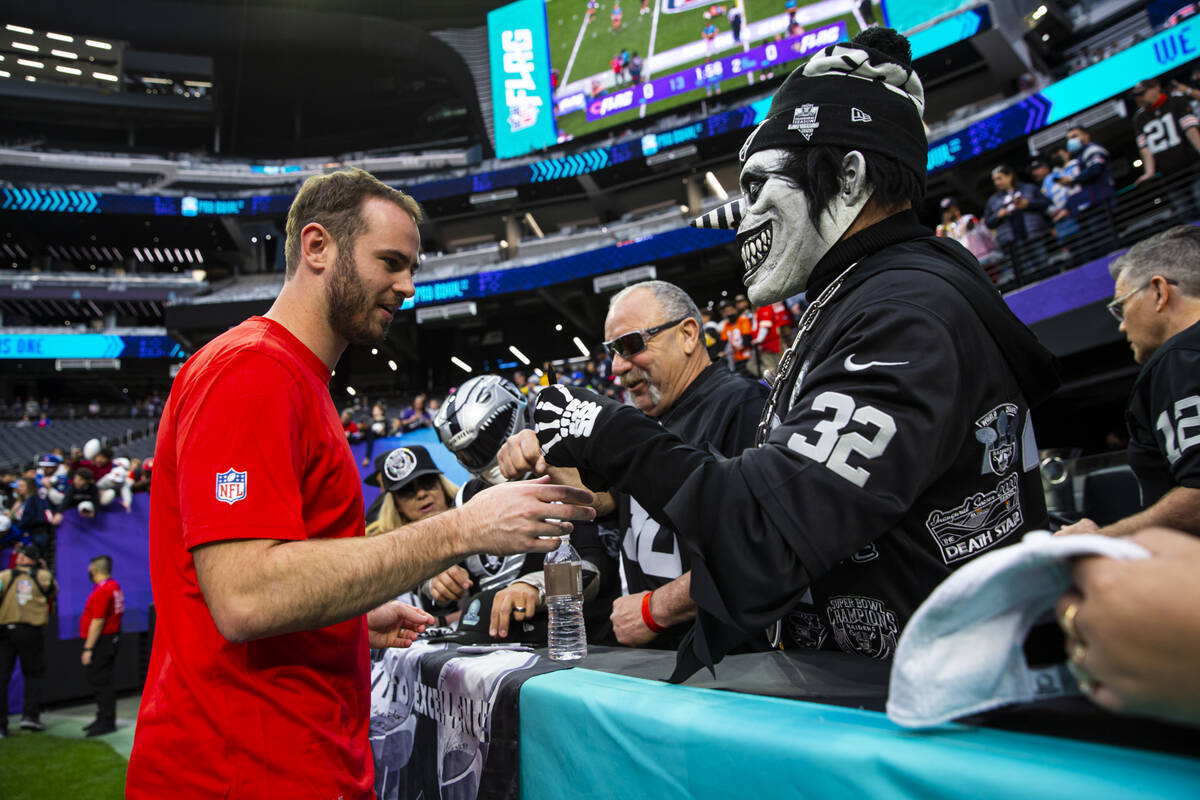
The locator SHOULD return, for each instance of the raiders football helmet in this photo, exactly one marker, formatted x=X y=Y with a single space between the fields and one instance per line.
x=476 y=420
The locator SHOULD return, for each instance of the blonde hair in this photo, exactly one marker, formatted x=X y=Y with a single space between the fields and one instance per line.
x=335 y=201
x=390 y=517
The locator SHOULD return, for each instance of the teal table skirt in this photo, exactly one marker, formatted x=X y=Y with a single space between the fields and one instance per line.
x=587 y=734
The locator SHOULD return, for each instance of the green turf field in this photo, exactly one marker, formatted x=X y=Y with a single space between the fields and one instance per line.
x=40 y=766
x=600 y=43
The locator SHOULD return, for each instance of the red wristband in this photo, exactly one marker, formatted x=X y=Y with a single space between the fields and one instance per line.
x=646 y=618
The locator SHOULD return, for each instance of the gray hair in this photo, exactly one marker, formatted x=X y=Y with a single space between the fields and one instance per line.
x=1174 y=253
x=675 y=302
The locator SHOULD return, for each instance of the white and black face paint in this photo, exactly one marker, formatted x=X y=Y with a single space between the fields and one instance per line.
x=778 y=242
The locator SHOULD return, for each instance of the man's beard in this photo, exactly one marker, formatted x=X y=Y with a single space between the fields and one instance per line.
x=636 y=374
x=348 y=300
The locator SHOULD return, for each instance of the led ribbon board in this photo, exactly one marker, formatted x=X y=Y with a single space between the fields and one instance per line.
x=87 y=345
x=522 y=108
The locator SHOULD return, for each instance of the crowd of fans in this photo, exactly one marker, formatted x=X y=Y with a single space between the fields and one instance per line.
x=87 y=480
x=1063 y=210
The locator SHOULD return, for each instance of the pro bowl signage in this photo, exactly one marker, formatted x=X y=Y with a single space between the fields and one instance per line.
x=522 y=109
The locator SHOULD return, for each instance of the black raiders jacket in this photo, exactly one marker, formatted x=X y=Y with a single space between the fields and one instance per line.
x=903 y=447
x=1164 y=417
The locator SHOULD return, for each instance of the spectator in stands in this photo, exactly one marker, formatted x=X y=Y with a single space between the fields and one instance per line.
x=33 y=518
x=736 y=338
x=767 y=321
x=1047 y=171
x=434 y=404
x=82 y=494
x=1168 y=138
x=658 y=353
x=94 y=408
x=114 y=482
x=350 y=427
x=43 y=420
x=54 y=478
x=142 y=475
x=1016 y=211
x=101 y=462
x=522 y=381
x=1157 y=300
x=24 y=422
x=712 y=333
x=416 y=416
x=25 y=594
x=1133 y=634
x=377 y=428
x=971 y=234
x=100 y=629
x=1094 y=203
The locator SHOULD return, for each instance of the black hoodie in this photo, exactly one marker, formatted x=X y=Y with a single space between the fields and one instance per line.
x=906 y=450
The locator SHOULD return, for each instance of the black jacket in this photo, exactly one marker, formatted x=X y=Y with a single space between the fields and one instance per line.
x=717 y=412
x=1164 y=417
x=904 y=449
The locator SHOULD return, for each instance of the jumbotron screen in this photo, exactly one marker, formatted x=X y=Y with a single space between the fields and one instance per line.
x=565 y=68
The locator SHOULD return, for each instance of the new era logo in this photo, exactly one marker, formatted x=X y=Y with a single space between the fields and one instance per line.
x=231 y=486
x=858 y=115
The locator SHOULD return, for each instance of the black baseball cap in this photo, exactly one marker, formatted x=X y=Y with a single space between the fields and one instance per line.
x=397 y=468
x=1038 y=162
x=477 y=619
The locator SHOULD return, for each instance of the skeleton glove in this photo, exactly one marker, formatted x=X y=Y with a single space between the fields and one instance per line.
x=564 y=418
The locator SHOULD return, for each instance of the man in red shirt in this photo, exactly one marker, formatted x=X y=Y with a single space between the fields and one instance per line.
x=100 y=629
x=267 y=593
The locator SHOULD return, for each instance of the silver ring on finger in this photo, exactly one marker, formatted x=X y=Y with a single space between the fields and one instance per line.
x=519 y=609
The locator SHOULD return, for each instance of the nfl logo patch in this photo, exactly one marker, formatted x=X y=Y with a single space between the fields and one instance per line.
x=231 y=486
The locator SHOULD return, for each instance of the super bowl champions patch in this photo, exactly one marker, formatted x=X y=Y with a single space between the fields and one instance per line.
x=863 y=625
x=231 y=486
x=980 y=522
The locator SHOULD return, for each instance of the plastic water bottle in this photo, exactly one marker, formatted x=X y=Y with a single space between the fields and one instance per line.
x=564 y=600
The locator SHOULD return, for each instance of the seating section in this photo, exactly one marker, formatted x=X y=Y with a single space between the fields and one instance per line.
x=20 y=446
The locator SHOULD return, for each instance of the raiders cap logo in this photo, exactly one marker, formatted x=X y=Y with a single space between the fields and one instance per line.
x=399 y=464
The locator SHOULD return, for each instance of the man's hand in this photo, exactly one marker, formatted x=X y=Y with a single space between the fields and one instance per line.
x=395 y=624
x=448 y=586
x=511 y=517
x=1084 y=525
x=628 y=625
x=85 y=657
x=522 y=454
x=518 y=599
x=1136 y=631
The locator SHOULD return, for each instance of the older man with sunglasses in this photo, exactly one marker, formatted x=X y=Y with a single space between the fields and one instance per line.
x=1157 y=302
x=656 y=342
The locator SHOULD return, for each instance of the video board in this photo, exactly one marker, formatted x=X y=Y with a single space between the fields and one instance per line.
x=567 y=68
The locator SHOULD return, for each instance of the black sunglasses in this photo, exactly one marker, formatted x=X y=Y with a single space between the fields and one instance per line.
x=422 y=483
x=630 y=344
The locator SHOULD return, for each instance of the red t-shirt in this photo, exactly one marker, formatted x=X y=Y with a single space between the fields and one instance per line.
x=106 y=602
x=250 y=446
x=766 y=317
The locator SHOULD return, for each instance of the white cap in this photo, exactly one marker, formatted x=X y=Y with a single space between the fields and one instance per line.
x=962 y=652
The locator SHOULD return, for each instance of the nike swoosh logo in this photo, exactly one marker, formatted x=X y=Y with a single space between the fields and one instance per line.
x=852 y=367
